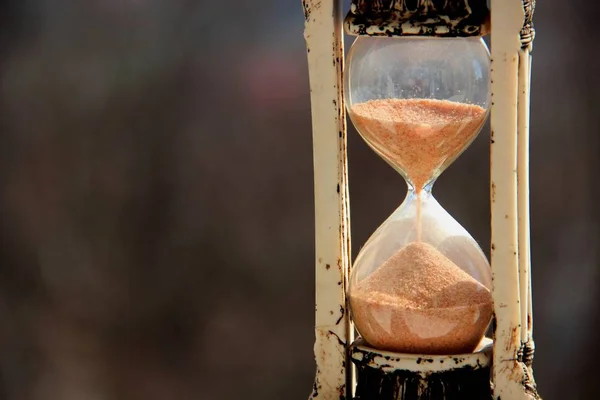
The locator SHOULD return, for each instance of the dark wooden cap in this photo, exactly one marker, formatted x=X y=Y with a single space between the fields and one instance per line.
x=442 y=18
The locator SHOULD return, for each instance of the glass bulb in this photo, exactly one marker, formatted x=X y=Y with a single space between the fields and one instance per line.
x=429 y=295
x=421 y=284
x=434 y=90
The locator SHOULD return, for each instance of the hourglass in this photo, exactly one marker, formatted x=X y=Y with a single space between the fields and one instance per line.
x=418 y=85
x=420 y=284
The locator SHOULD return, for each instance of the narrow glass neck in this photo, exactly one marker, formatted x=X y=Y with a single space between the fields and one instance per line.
x=425 y=191
x=423 y=196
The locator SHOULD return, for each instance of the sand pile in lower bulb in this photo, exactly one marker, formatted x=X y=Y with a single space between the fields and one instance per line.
x=419 y=301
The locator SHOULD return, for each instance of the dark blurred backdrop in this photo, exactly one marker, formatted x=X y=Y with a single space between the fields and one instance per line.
x=156 y=201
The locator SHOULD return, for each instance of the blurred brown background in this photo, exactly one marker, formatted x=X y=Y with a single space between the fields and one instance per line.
x=156 y=204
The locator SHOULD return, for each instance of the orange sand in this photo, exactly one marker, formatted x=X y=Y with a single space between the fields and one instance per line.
x=420 y=137
x=421 y=302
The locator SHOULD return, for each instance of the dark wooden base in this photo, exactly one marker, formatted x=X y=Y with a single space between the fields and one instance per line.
x=383 y=375
x=464 y=383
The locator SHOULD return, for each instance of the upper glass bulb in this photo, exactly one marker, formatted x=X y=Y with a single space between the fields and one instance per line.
x=436 y=91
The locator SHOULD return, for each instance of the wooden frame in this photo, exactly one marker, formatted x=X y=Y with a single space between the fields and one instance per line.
x=333 y=331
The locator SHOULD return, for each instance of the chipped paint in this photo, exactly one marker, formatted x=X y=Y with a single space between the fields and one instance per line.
x=425 y=18
x=323 y=34
x=512 y=378
x=392 y=376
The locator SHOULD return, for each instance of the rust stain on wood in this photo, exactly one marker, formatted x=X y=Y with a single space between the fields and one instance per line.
x=512 y=338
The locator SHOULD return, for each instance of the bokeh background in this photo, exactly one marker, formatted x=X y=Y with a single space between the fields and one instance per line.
x=156 y=201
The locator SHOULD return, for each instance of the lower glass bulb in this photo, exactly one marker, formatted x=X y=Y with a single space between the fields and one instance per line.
x=421 y=287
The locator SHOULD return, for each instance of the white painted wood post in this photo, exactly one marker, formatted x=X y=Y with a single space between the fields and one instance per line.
x=324 y=41
x=510 y=201
x=523 y=194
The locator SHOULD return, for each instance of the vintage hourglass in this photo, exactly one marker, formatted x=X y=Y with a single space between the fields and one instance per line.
x=420 y=284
